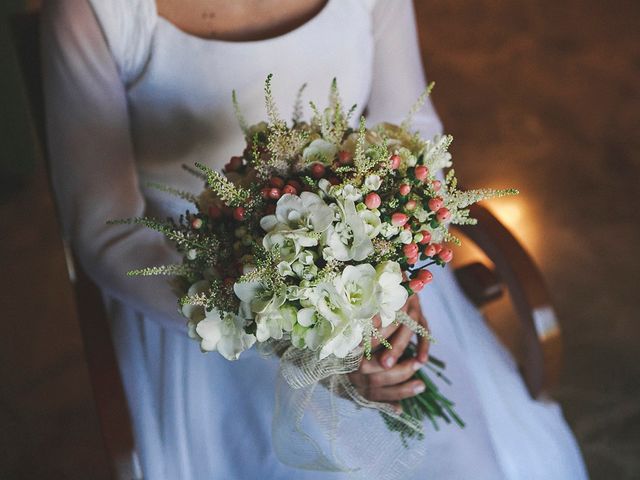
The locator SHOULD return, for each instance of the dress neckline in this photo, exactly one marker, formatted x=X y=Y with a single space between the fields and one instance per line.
x=299 y=29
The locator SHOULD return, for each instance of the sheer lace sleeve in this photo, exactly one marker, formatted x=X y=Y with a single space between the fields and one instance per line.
x=92 y=161
x=398 y=78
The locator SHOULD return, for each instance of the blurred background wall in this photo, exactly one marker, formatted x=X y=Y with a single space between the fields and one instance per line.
x=542 y=95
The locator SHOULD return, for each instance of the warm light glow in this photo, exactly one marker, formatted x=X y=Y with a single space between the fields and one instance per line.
x=519 y=216
x=509 y=213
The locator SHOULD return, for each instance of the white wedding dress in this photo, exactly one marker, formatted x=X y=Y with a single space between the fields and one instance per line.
x=131 y=98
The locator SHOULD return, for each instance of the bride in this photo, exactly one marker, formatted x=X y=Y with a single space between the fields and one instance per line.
x=135 y=89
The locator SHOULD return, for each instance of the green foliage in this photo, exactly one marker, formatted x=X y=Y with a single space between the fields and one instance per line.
x=236 y=108
x=231 y=194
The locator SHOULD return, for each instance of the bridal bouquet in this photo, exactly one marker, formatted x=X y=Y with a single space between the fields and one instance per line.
x=313 y=239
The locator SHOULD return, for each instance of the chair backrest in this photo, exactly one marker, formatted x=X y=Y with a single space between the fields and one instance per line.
x=101 y=360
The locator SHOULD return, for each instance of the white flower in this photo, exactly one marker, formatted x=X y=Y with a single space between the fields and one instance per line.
x=392 y=295
x=387 y=230
x=343 y=340
x=358 y=286
x=293 y=212
x=311 y=330
x=348 y=238
x=272 y=316
x=372 y=223
x=346 y=192
x=330 y=304
x=224 y=334
x=274 y=321
x=324 y=185
x=195 y=313
x=321 y=151
x=287 y=243
x=373 y=182
x=405 y=236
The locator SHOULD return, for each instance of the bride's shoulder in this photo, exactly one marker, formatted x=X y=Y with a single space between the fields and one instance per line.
x=127 y=27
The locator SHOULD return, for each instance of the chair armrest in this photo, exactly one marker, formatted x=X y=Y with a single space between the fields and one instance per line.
x=106 y=383
x=532 y=303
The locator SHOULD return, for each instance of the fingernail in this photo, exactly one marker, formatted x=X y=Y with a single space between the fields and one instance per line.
x=389 y=361
x=416 y=366
x=418 y=388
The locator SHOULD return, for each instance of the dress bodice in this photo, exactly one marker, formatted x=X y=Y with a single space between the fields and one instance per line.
x=179 y=96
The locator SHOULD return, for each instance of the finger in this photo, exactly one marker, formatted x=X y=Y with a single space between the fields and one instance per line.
x=397 y=392
x=394 y=376
x=399 y=342
x=368 y=367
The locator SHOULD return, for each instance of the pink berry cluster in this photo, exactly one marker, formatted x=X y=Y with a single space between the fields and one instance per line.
x=410 y=193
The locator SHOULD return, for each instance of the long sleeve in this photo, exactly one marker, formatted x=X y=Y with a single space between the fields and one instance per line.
x=398 y=78
x=92 y=161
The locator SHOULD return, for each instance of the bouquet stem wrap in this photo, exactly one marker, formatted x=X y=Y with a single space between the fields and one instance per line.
x=321 y=422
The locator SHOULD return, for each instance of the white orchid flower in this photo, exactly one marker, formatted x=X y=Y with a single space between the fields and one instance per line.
x=320 y=151
x=348 y=239
x=195 y=313
x=373 y=182
x=224 y=334
x=405 y=236
x=358 y=285
x=372 y=223
x=311 y=330
x=307 y=211
x=387 y=230
x=391 y=294
x=343 y=340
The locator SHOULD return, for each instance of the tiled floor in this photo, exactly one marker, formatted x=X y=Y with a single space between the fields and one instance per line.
x=542 y=95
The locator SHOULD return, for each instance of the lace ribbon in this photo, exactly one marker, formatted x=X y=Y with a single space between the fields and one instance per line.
x=321 y=422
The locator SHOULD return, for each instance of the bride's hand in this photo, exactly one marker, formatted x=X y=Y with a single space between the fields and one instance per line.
x=382 y=378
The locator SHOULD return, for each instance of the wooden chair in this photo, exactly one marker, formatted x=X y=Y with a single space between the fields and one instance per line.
x=513 y=271
x=106 y=383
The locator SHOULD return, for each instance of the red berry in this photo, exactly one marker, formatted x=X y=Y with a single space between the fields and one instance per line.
x=416 y=285
x=276 y=182
x=295 y=184
x=435 y=204
x=289 y=189
x=274 y=193
x=421 y=172
x=395 y=162
x=426 y=237
x=430 y=250
x=399 y=219
x=334 y=180
x=425 y=275
x=372 y=200
x=405 y=189
x=196 y=223
x=437 y=185
x=410 y=250
x=344 y=157
x=446 y=255
x=265 y=192
x=238 y=213
x=412 y=260
x=411 y=205
x=438 y=247
x=317 y=170
x=443 y=214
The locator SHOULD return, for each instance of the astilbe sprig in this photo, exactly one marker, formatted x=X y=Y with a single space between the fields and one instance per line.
x=230 y=193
